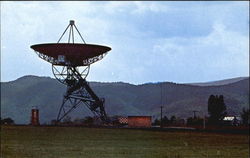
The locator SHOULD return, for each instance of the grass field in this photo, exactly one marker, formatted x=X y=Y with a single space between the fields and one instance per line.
x=77 y=142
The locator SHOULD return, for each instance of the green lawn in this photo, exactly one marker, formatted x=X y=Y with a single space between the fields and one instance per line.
x=77 y=142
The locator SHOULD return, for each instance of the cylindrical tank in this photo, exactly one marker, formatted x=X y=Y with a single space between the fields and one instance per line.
x=35 y=117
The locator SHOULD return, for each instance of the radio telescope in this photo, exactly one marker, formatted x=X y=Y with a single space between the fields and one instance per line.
x=70 y=65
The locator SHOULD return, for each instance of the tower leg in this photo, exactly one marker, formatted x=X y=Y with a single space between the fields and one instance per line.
x=80 y=93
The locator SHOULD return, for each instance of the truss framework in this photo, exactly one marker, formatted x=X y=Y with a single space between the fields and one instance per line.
x=79 y=93
x=78 y=90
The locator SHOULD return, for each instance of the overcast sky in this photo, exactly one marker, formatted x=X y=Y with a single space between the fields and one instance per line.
x=151 y=41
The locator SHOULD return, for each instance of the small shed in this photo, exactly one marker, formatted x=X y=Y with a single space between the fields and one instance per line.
x=232 y=120
x=139 y=121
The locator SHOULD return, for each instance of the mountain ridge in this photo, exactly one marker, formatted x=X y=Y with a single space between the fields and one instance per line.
x=209 y=83
x=18 y=97
x=219 y=82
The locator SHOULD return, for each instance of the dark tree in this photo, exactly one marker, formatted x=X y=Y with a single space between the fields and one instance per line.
x=173 y=120
x=197 y=121
x=88 y=120
x=78 y=121
x=165 y=121
x=157 y=122
x=7 y=121
x=216 y=109
x=190 y=121
x=53 y=122
x=245 y=116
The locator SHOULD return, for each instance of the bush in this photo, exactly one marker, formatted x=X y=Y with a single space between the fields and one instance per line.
x=7 y=121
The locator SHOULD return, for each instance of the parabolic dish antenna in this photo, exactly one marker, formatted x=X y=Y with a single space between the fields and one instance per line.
x=70 y=65
x=74 y=54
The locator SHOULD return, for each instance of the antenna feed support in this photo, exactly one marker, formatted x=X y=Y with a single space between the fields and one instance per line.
x=72 y=22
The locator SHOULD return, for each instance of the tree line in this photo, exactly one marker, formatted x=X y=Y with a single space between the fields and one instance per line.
x=217 y=111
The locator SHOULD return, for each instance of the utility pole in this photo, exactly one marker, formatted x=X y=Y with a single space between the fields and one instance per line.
x=204 y=122
x=161 y=116
x=161 y=105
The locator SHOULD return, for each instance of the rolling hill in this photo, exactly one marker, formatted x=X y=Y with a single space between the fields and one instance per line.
x=18 y=97
x=220 y=82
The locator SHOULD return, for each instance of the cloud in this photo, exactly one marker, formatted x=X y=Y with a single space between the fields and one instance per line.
x=151 y=41
x=142 y=7
x=221 y=54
